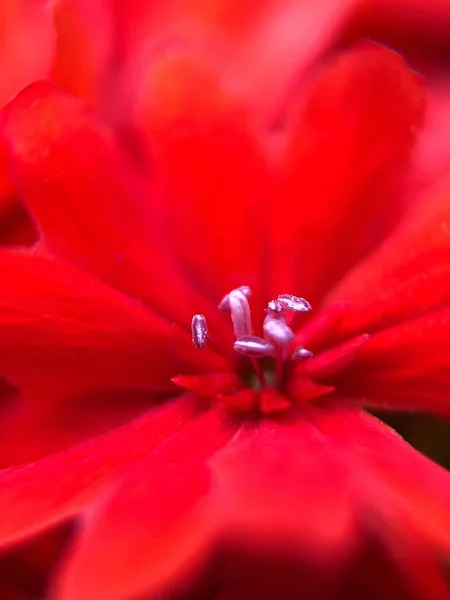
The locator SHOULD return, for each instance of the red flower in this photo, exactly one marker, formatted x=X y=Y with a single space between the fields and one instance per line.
x=259 y=475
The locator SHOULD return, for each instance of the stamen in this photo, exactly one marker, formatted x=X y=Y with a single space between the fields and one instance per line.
x=277 y=340
x=240 y=313
x=199 y=331
x=253 y=346
x=274 y=306
x=293 y=303
x=301 y=353
x=224 y=304
x=277 y=330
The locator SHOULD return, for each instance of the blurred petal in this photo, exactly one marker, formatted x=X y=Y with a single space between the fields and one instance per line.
x=154 y=525
x=84 y=47
x=198 y=508
x=155 y=532
x=408 y=18
x=33 y=501
x=216 y=174
x=402 y=292
x=235 y=36
x=88 y=204
x=34 y=427
x=64 y=331
x=266 y=478
x=391 y=477
x=405 y=277
x=27 y=44
x=355 y=130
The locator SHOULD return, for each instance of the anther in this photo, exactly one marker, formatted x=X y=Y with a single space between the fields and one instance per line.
x=301 y=353
x=199 y=331
x=253 y=346
x=224 y=304
x=274 y=306
x=293 y=303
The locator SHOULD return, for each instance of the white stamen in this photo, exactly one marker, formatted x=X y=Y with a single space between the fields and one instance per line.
x=240 y=313
x=294 y=303
x=253 y=346
x=300 y=353
x=224 y=304
x=277 y=330
x=199 y=331
x=274 y=306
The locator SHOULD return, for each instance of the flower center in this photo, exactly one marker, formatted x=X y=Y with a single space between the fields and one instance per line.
x=273 y=371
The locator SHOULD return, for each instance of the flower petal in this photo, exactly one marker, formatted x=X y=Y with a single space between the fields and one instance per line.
x=84 y=47
x=288 y=489
x=157 y=529
x=63 y=331
x=154 y=524
x=391 y=477
x=88 y=203
x=27 y=47
x=404 y=366
x=355 y=130
x=45 y=492
x=235 y=36
x=31 y=429
x=217 y=176
x=406 y=276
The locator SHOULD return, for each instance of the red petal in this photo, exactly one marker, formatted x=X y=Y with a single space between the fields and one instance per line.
x=406 y=366
x=302 y=388
x=88 y=204
x=217 y=177
x=406 y=276
x=235 y=35
x=27 y=47
x=84 y=47
x=154 y=525
x=244 y=400
x=332 y=361
x=31 y=429
x=281 y=478
x=63 y=331
x=209 y=384
x=156 y=531
x=392 y=478
x=47 y=491
x=272 y=401
x=417 y=21
x=356 y=128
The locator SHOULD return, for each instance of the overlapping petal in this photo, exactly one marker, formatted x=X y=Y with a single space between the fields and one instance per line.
x=407 y=275
x=42 y=493
x=391 y=477
x=189 y=506
x=400 y=295
x=405 y=366
x=216 y=173
x=235 y=38
x=355 y=130
x=157 y=515
x=64 y=331
x=85 y=48
x=89 y=204
x=27 y=46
